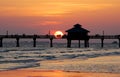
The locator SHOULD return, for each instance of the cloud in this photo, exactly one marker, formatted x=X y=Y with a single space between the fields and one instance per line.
x=50 y=23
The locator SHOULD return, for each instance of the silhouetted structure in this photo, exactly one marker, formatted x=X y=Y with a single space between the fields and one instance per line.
x=77 y=33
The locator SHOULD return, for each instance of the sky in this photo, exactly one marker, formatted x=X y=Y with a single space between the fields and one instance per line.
x=42 y=16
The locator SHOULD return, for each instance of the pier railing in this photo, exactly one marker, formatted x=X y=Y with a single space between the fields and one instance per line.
x=105 y=36
x=64 y=37
x=26 y=36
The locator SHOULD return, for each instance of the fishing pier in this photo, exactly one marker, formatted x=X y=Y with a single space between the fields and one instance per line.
x=52 y=37
x=77 y=32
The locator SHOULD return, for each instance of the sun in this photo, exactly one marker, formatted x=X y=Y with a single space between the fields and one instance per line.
x=58 y=34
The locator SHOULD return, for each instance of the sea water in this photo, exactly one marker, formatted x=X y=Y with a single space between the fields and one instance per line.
x=26 y=56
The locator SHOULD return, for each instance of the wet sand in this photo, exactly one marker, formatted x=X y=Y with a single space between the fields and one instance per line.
x=104 y=64
x=52 y=73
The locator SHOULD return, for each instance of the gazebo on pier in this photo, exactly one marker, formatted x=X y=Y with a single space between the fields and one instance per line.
x=77 y=33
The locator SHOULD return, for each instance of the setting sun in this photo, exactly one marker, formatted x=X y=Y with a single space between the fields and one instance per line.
x=58 y=34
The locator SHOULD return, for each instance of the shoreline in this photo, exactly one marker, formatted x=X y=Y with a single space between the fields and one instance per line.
x=103 y=64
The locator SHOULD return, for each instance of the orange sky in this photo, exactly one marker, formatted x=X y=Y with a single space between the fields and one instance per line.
x=40 y=16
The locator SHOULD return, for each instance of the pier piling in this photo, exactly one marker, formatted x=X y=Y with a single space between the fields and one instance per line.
x=68 y=43
x=51 y=41
x=102 y=43
x=34 y=42
x=79 y=44
x=1 y=42
x=17 y=42
x=86 y=43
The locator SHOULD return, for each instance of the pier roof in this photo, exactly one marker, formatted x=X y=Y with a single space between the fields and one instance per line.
x=77 y=28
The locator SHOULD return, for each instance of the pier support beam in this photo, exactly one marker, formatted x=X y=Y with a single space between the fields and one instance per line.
x=17 y=42
x=79 y=44
x=68 y=43
x=34 y=42
x=102 y=42
x=1 y=42
x=86 y=43
x=51 y=42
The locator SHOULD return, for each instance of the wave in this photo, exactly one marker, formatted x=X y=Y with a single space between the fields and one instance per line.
x=27 y=57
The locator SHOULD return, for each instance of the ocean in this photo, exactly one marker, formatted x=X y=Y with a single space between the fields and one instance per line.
x=27 y=56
